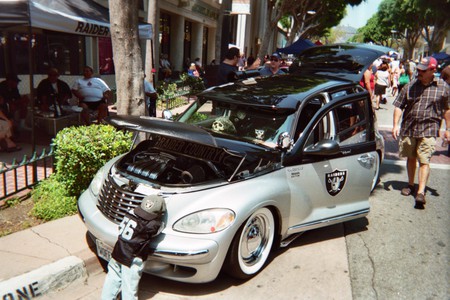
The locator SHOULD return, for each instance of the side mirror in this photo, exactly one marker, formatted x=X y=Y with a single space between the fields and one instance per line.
x=167 y=114
x=284 y=141
x=323 y=147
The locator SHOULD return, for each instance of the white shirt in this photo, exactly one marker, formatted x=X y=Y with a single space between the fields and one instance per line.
x=91 y=89
x=148 y=88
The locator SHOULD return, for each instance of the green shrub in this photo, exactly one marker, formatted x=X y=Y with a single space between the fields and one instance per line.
x=51 y=200
x=81 y=151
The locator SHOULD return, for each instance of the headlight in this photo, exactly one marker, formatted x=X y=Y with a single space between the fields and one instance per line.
x=97 y=182
x=206 y=221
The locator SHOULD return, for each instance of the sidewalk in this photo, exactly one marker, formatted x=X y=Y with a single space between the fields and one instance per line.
x=45 y=258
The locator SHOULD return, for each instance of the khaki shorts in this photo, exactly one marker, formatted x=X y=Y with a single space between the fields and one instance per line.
x=421 y=148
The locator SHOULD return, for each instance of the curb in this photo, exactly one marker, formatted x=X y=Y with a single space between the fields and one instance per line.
x=51 y=277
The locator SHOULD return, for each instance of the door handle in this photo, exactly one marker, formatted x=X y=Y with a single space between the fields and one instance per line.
x=366 y=160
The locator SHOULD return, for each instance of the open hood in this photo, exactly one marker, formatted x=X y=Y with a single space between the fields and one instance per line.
x=178 y=153
x=345 y=61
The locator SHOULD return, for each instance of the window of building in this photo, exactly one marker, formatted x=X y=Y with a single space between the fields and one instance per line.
x=164 y=33
x=105 y=56
x=187 y=40
x=49 y=49
x=205 y=46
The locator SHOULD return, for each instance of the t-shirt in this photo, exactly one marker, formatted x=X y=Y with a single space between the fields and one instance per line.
x=266 y=71
x=148 y=88
x=91 y=89
x=382 y=78
x=226 y=73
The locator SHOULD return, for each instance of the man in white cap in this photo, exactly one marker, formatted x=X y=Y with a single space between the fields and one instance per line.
x=138 y=228
x=422 y=102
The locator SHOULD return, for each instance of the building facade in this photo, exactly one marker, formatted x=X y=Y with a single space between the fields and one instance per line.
x=184 y=30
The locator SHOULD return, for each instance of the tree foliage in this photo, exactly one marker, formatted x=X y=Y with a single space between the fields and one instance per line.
x=328 y=13
x=408 y=20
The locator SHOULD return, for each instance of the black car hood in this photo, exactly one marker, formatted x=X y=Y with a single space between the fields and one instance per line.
x=186 y=132
x=344 y=61
x=164 y=127
x=180 y=153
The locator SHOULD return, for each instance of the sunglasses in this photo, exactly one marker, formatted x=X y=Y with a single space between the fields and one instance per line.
x=274 y=59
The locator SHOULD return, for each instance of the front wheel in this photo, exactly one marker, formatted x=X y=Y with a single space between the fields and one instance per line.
x=251 y=245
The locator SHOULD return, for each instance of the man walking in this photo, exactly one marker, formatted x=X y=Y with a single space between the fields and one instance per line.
x=423 y=102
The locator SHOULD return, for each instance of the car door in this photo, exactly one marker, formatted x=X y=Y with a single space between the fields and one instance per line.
x=330 y=168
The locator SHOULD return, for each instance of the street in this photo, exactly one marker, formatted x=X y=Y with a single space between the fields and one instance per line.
x=397 y=252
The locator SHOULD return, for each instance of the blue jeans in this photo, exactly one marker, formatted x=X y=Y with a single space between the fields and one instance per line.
x=120 y=277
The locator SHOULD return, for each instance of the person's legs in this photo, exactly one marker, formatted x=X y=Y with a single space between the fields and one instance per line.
x=425 y=149
x=424 y=174
x=130 y=279
x=407 y=148
x=85 y=114
x=113 y=281
x=411 y=164
x=102 y=112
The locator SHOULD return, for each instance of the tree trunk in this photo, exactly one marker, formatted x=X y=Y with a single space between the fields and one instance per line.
x=123 y=17
x=149 y=53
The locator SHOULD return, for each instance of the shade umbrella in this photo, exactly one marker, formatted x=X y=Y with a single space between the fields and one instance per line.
x=297 y=47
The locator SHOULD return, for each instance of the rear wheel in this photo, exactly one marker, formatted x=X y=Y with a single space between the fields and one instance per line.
x=251 y=245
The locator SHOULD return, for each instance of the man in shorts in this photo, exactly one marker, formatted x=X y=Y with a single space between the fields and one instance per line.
x=93 y=94
x=423 y=103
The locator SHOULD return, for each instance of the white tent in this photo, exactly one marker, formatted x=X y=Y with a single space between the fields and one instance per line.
x=81 y=17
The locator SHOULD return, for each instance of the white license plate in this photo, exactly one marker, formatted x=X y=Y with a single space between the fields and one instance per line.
x=103 y=250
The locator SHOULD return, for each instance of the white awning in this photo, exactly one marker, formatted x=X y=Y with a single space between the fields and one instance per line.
x=81 y=17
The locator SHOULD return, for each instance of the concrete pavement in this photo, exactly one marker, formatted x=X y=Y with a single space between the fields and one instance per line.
x=52 y=260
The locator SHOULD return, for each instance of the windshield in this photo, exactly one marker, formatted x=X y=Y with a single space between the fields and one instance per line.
x=260 y=125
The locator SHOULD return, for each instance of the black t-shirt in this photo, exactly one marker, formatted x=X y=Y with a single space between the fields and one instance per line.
x=226 y=73
x=135 y=233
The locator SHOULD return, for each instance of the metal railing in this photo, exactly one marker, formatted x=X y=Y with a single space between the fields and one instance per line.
x=24 y=175
x=176 y=99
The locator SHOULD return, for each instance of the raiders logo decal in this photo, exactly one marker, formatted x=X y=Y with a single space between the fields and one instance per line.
x=335 y=181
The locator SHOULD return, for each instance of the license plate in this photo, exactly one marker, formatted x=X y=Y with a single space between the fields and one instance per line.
x=103 y=250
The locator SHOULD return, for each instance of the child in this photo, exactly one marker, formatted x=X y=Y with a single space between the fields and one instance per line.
x=137 y=229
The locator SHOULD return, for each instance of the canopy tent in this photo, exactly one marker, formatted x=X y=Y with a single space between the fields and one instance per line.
x=297 y=47
x=81 y=17
x=441 y=56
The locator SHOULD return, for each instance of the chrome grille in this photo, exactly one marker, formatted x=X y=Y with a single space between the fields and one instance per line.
x=114 y=201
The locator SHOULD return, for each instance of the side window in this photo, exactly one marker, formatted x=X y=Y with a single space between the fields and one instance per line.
x=322 y=130
x=351 y=122
x=346 y=124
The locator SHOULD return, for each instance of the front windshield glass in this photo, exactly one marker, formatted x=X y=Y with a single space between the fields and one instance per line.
x=249 y=123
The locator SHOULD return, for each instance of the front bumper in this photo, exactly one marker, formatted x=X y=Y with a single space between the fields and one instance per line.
x=176 y=256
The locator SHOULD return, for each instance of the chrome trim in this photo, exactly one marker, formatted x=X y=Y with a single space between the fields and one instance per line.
x=327 y=222
x=177 y=254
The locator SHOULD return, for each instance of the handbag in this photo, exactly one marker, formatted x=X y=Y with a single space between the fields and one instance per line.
x=404 y=79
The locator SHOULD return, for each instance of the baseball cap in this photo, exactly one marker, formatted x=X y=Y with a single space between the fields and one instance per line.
x=153 y=204
x=427 y=63
x=12 y=77
x=277 y=55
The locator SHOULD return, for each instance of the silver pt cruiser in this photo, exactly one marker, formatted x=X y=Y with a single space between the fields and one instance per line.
x=247 y=167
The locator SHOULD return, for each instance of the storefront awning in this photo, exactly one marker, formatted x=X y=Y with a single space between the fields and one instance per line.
x=82 y=17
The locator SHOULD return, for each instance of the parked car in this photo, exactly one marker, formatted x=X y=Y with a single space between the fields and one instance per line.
x=247 y=167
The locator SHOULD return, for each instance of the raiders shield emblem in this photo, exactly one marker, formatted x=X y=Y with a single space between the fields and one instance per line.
x=335 y=181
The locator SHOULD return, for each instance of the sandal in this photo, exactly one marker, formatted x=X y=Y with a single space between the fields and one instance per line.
x=13 y=149
x=407 y=191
